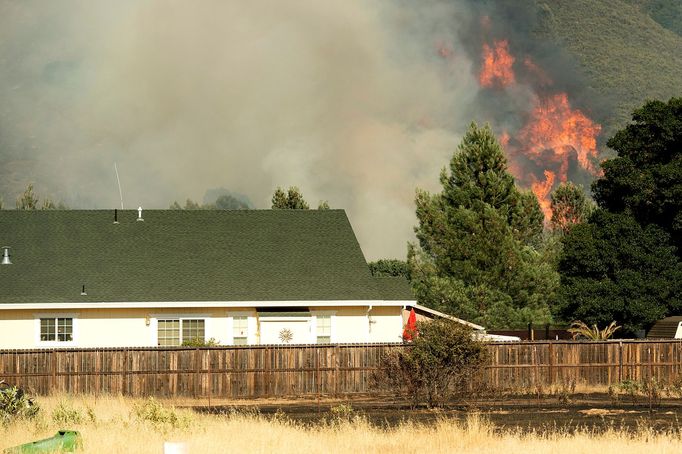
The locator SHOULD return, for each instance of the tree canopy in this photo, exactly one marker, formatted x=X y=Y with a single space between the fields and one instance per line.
x=623 y=264
x=29 y=200
x=478 y=254
x=389 y=268
x=223 y=202
x=570 y=206
x=645 y=179
x=292 y=199
x=614 y=269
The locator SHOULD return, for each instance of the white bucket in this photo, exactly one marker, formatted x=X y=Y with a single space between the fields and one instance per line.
x=170 y=447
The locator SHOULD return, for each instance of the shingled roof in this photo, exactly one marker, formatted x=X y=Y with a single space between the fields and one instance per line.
x=176 y=255
x=394 y=288
x=665 y=329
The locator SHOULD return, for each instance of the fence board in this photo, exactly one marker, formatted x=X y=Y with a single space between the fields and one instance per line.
x=278 y=371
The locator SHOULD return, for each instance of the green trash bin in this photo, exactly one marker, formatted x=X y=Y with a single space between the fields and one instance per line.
x=63 y=441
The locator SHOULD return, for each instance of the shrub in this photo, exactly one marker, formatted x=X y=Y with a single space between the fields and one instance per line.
x=160 y=417
x=14 y=403
x=64 y=414
x=200 y=343
x=341 y=412
x=436 y=367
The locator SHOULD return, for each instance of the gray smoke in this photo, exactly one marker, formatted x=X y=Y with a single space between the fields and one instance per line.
x=356 y=102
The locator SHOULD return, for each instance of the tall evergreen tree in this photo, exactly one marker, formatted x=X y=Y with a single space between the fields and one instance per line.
x=477 y=256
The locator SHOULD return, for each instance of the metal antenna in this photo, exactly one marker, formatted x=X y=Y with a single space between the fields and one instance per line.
x=120 y=193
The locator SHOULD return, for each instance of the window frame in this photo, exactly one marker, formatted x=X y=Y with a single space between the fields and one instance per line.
x=55 y=316
x=251 y=327
x=245 y=337
x=332 y=326
x=156 y=318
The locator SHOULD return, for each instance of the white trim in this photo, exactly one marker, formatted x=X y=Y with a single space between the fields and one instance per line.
x=199 y=304
x=74 y=326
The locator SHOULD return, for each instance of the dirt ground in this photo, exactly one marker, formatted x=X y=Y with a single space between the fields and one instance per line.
x=594 y=412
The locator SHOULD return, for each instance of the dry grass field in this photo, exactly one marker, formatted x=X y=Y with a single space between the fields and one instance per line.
x=122 y=425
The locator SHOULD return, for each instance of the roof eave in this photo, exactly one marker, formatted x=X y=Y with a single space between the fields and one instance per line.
x=202 y=304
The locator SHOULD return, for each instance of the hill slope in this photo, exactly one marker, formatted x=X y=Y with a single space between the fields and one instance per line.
x=623 y=50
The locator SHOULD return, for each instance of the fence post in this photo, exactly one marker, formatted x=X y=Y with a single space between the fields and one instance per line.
x=98 y=369
x=197 y=373
x=124 y=381
x=620 y=361
x=53 y=372
x=210 y=376
x=651 y=365
x=551 y=364
x=337 y=370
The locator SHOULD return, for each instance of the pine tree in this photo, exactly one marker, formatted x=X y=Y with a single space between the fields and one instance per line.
x=570 y=206
x=28 y=200
x=477 y=256
x=291 y=200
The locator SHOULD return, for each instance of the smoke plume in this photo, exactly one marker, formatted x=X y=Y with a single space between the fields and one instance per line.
x=356 y=102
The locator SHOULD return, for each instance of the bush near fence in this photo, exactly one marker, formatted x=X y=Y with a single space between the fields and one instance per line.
x=310 y=370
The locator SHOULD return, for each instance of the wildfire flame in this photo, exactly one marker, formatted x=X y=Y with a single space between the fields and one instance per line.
x=554 y=133
x=541 y=189
x=496 y=69
x=553 y=125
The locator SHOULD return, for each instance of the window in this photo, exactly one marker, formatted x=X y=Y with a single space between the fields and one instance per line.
x=173 y=332
x=240 y=329
x=193 y=330
x=56 y=329
x=324 y=329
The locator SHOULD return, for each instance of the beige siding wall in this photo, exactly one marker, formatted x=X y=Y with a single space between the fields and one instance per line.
x=129 y=328
x=17 y=329
x=387 y=324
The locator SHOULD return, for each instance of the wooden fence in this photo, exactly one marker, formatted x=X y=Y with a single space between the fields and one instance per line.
x=276 y=371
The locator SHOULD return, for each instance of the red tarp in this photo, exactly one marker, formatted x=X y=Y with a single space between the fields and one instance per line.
x=410 y=331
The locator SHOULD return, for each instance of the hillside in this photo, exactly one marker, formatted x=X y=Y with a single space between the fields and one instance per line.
x=630 y=50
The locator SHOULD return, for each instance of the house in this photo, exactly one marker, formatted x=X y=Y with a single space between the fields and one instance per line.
x=667 y=328
x=105 y=278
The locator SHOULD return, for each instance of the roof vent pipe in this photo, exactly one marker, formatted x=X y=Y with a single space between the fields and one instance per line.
x=83 y=292
x=115 y=216
x=139 y=214
x=5 y=256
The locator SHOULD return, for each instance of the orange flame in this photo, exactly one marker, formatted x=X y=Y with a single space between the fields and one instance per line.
x=504 y=139
x=554 y=126
x=541 y=189
x=496 y=69
x=554 y=133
